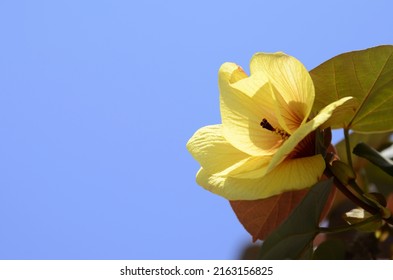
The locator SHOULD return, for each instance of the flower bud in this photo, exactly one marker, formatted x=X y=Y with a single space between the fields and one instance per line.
x=342 y=172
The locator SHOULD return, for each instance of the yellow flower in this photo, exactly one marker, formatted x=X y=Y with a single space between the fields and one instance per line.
x=264 y=145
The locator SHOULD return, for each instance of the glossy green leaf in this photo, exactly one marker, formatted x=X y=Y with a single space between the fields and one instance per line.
x=332 y=249
x=366 y=75
x=365 y=151
x=291 y=239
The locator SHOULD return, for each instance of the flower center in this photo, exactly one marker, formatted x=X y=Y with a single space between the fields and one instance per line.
x=266 y=125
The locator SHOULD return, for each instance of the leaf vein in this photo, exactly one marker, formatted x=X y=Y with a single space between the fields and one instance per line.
x=368 y=94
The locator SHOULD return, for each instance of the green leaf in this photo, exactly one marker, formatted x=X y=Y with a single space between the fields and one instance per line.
x=365 y=151
x=366 y=75
x=377 y=141
x=368 y=173
x=379 y=178
x=359 y=215
x=292 y=237
x=332 y=249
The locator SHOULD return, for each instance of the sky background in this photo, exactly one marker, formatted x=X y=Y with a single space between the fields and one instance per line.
x=98 y=99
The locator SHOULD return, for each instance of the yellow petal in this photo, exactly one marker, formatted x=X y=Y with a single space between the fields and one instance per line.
x=251 y=167
x=212 y=151
x=216 y=155
x=292 y=174
x=303 y=131
x=292 y=86
x=231 y=72
x=244 y=103
x=342 y=115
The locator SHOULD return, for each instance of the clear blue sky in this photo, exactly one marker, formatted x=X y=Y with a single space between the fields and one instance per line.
x=98 y=99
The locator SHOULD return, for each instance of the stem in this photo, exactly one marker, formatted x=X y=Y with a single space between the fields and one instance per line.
x=348 y=147
x=358 y=201
x=372 y=209
x=352 y=183
x=389 y=220
x=355 y=199
x=349 y=227
x=362 y=201
x=356 y=188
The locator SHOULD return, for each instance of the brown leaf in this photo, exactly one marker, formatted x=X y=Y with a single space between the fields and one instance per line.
x=390 y=202
x=260 y=217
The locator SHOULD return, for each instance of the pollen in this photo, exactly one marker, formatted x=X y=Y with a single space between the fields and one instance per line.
x=282 y=133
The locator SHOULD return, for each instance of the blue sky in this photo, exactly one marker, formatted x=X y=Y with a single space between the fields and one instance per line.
x=97 y=102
